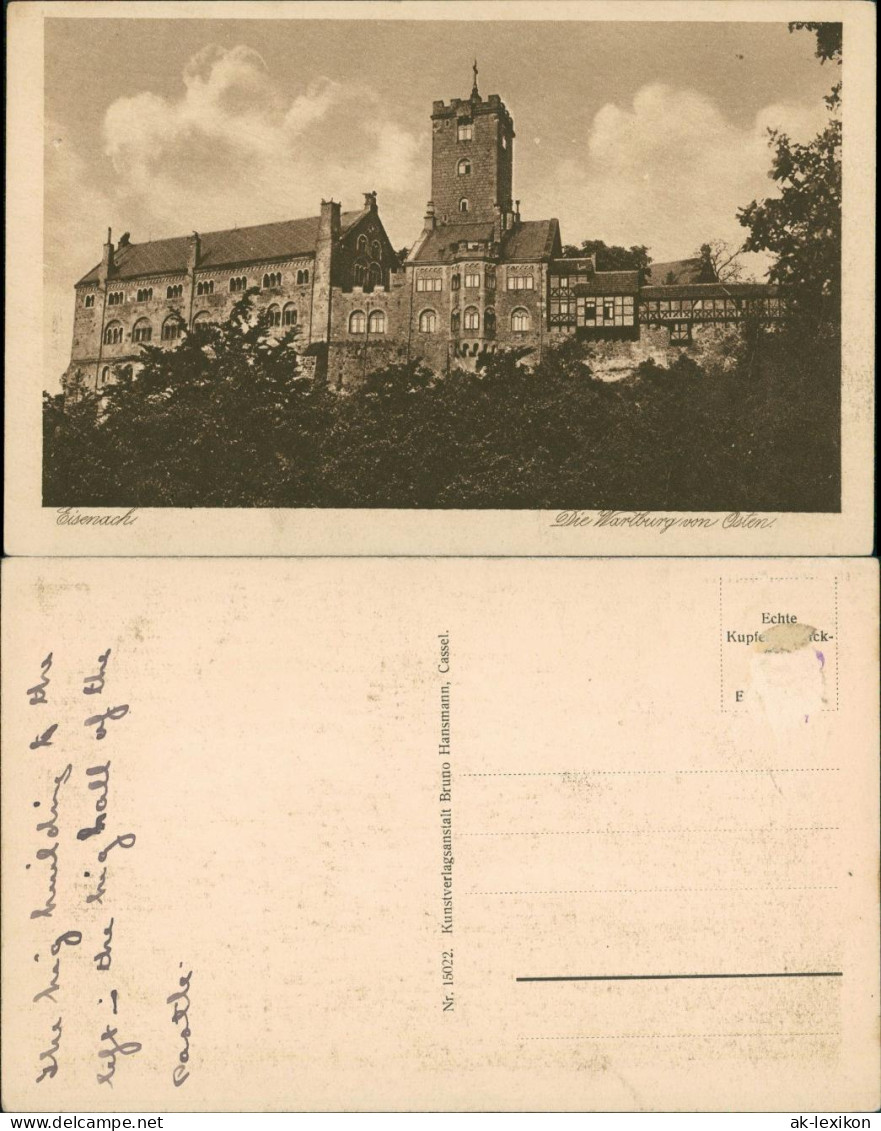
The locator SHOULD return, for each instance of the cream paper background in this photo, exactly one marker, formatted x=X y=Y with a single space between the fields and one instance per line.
x=32 y=530
x=616 y=809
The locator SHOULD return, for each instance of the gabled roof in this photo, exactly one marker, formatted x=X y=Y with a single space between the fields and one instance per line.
x=529 y=240
x=609 y=283
x=712 y=290
x=281 y=240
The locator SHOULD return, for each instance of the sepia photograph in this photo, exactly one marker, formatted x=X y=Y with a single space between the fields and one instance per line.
x=401 y=264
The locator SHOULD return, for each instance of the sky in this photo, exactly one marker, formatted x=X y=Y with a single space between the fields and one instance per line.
x=633 y=133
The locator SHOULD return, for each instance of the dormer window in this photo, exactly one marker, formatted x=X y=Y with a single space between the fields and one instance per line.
x=465 y=131
x=464 y=167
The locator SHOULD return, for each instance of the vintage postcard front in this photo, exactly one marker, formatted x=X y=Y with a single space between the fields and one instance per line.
x=556 y=278
x=440 y=835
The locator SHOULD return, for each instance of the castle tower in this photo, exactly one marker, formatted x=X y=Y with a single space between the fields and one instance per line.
x=472 y=158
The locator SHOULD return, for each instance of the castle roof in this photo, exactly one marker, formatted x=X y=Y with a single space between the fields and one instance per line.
x=609 y=283
x=682 y=271
x=529 y=239
x=712 y=290
x=281 y=240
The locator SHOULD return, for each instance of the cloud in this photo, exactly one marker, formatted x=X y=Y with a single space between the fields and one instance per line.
x=669 y=171
x=233 y=147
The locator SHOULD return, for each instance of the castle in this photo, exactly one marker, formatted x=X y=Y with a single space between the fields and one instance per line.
x=478 y=278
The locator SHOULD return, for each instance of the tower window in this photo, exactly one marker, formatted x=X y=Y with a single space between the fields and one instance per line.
x=472 y=318
x=463 y=205
x=357 y=322
x=454 y=282
x=427 y=322
x=472 y=279
x=376 y=322
x=464 y=168
x=520 y=321
x=465 y=131
x=89 y=300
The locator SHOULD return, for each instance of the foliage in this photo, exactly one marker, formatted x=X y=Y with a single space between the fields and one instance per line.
x=720 y=261
x=801 y=226
x=612 y=258
x=229 y=419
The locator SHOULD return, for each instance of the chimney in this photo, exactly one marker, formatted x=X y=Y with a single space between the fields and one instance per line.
x=194 y=247
x=107 y=259
x=429 y=220
x=370 y=201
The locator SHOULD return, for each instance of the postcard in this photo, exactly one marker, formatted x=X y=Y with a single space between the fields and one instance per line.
x=420 y=834
x=556 y=278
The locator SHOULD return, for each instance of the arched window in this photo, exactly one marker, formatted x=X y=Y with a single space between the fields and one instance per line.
x=171 y=329
x=357 y=322
x=206 y=288
x=145 y=294
x=117 y=298
x=105 y=374
x=464 y=168
x=454 y=321
x=362 y=245
x=472 y=318
x=174 y=291
x=274 y=313
x=201 y=319
x=113 y=334
x=463 y=205
x=375 y=275
x=289 y=316
x=359 y=274
x=376 y=322
x=272 y=280
x=238 y=283
x=489 y=323
x=89 y=300
x=520 y=320
x=142 y=331
x=490 y=279
x=302 y=277
x=454 y=282
x=376 y=249
x=427 y=322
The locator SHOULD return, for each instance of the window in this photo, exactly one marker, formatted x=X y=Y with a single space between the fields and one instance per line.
x=521 y=283
x=472 y=279
x=520 y=320
x=427 y=322
x=116 y=298
x=206 y=288
x=289 y=316
x=608 y=309
x=464 y=168
x=472 y=318
x=504 y=142
x=375 y=275
x=376 y=322
x=175 y=291
x=142 y=331
x=272 y=280
x=454 y=282
x=431 y=283
x=171 y=329
x=465 y=131
x=590 y=311
x=359 y=273
x=105 y=374
x=454 y=322
x=238 y=283
x=489 y=323
x=463 y=205
x=376 y=250
x=362 y=245
x=680 y=332
x=490 y=282
x=89 y=300
x=201 y=319
x=302 y=277
x=145 y=294
x=357 y=322
x=274 y=313
x=113 y=334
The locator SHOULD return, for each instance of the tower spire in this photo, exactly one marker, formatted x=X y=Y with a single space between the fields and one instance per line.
x=474 y=91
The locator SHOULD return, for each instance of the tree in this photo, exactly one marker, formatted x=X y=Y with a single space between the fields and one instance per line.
x=720 y=262
x=802 y=226
x=611 y=258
